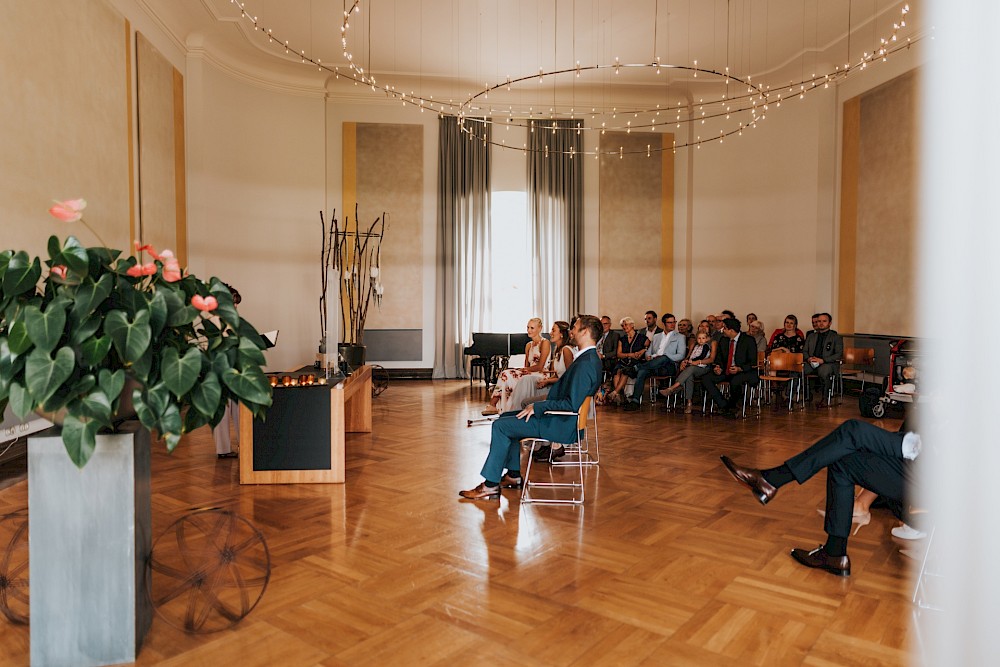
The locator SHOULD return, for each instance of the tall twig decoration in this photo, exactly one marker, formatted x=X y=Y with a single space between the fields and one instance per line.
x=356 y=257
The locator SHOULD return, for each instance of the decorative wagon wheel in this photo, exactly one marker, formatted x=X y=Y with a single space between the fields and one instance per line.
x=14 y=567
x=207 y=571
x=380 y=380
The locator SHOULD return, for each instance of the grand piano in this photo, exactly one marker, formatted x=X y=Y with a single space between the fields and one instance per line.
x=490 y=352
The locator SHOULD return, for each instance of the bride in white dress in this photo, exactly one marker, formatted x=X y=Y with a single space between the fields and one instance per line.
x=535 y=386
x=535 y=354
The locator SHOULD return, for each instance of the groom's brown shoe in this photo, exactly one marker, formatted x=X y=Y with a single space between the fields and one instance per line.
x=819 y=559
x=762 y=490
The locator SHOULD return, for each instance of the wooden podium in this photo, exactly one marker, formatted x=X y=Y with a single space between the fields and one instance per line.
x=303 y=438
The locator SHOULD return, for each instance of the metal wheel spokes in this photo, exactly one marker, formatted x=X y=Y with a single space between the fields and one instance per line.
x=207 y=571
x=14 y=567
x=380 y=380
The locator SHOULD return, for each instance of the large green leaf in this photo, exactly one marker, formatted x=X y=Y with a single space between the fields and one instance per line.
x=182 y=316
x=157 y=312
x=157 y=398
x=247 y=330
x=74 y=256
x=78 y=333
x=68 y=393
x=142 y=411
x=4 y=261
x=89 y=295
x=79 y=437
x=94 y=350
x=180 y=373
x=111 y=383
x=96 y=405
x=44 y=374
x=45 y=328
x=171 y=426
x=20 y=341
x=22 y=274
x=226 y=310
x=250 y=353
x=131 y=339
x=20 y=401
x=10 y=365
x=250 y=384
x=143 y=366
x=206 y=394
x=193 y=420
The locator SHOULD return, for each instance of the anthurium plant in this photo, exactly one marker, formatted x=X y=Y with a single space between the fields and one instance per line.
x=74 y=327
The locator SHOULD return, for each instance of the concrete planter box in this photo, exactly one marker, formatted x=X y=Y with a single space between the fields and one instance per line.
x=90 y=537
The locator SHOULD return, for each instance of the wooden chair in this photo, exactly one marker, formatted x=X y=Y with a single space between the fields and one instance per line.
x=784 y=368
x=857 y=362
x=580 y=450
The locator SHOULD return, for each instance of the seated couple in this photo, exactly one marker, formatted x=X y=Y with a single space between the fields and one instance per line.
x=581 y=379
x=544 y=363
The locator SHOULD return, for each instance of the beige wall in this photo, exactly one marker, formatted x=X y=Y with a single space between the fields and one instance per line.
x=65 y=130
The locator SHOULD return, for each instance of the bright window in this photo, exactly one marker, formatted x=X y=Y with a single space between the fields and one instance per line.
x=512 y=265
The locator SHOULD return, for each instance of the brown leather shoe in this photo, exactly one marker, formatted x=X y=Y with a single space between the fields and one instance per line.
x=817 y=558
x=482 y=492
x=761 y=488
x=509 y=482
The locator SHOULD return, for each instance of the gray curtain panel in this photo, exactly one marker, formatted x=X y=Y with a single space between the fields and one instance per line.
x=463 y=271
x=555 y=209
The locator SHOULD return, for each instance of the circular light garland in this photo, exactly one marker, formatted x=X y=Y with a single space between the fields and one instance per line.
x=752 y=105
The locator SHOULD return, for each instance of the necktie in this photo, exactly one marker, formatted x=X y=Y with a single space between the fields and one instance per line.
x=732 y=349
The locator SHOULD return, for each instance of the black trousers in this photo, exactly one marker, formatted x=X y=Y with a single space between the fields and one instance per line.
x=737 y=386
x=857 y=452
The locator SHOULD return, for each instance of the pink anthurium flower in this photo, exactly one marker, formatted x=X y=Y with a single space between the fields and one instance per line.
x=70 y=210
x=204 y=304
x=140 y=270
x=171 y=267
x=59 y=270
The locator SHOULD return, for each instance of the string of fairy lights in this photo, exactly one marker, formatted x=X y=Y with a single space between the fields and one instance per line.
x=731 y=112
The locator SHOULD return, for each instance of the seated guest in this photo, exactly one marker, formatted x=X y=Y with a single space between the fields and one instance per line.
x=651 y=327
x=535 y=354
x=751 y=318
x=662 y=356
x=735 y=363
x=698 y=362
x=756 y=331
x=717 y=334
x=824 y=348
x=789 y=339
x=534 y=386
x=631 y=349
x=686 y=328
x=568 y=394
x=706 y=326
x=607 y=346
x=856 y=452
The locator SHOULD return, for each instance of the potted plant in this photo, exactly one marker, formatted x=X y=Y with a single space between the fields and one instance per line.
x=75 y=328
x=355 y=257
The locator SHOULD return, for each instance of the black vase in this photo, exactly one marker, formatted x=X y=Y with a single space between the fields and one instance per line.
x=353 y=355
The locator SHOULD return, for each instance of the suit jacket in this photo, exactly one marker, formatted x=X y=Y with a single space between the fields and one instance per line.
x=833 y=347
x=580 y=380
x=745 y=356
x=610 y=347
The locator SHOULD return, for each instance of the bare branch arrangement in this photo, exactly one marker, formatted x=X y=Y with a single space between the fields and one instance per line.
x=356 y=257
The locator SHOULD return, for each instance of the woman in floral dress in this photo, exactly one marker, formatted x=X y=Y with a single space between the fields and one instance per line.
x=536 y=352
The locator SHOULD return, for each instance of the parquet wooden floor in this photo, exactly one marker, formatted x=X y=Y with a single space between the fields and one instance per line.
x=669 y=563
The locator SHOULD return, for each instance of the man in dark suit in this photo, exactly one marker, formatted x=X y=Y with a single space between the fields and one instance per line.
x=580 y=380
x=822 y=354
x=735 y=363
x=856 y=452
x=607 y=345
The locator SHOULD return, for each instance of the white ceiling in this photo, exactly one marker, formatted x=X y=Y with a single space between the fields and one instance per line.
x=450 y=49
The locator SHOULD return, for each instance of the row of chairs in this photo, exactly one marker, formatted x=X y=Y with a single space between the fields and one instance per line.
x=784 y=369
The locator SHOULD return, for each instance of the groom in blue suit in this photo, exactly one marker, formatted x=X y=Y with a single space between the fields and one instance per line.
x=579 y=381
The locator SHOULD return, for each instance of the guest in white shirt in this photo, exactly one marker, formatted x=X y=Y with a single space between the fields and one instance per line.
x=662 y=356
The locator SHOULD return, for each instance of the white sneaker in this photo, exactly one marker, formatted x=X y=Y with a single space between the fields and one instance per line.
x=905 y=532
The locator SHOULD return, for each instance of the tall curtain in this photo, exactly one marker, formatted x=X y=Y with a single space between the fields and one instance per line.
x=463 y=247
x=555 y=219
